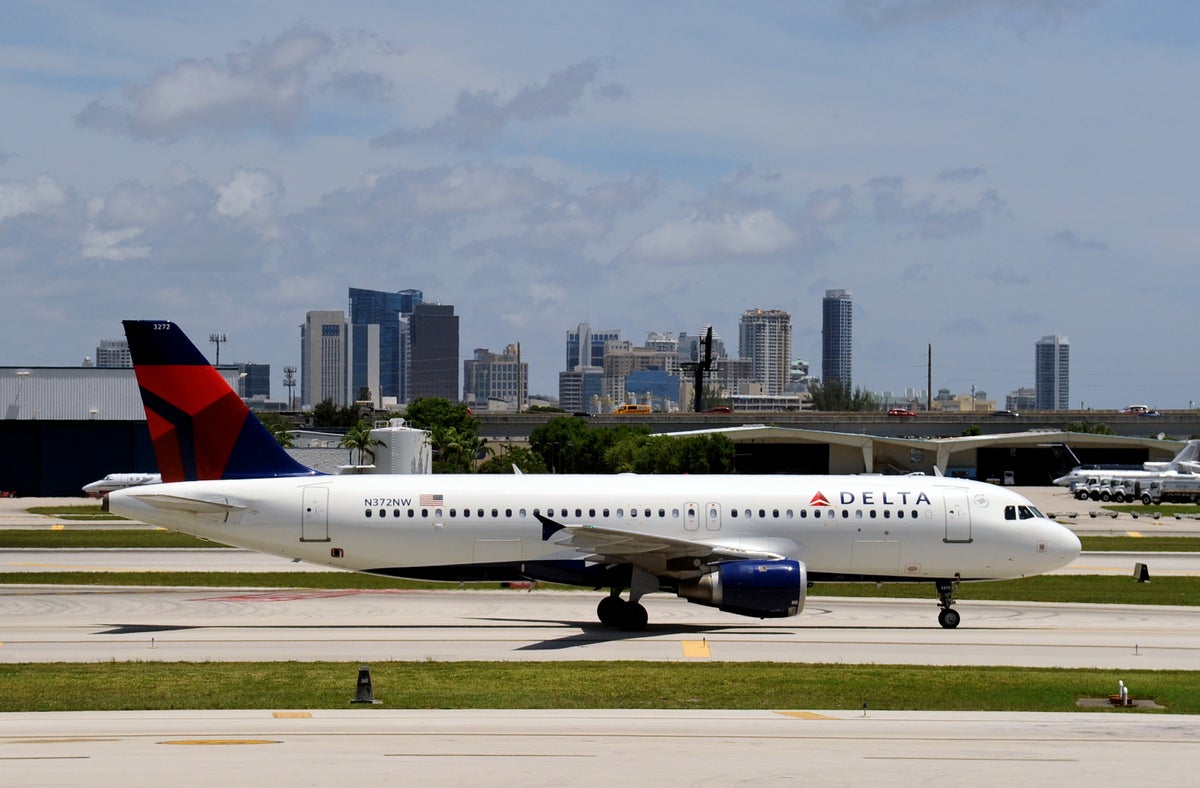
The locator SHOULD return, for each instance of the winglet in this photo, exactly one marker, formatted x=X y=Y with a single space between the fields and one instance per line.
x=200 y=427
x=549 y=527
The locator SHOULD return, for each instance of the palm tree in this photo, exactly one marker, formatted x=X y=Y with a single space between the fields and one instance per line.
x=358 y=438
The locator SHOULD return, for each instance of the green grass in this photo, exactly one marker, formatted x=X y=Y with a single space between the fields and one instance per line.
x=73 y=512
x=93 y=538
x=1141 y=544
x=1073 y=589
x=576 y=685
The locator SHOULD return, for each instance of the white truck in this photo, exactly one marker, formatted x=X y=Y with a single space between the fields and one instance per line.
x=1183 y=489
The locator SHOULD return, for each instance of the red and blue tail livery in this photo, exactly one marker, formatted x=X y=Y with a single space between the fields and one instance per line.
x=200 y=427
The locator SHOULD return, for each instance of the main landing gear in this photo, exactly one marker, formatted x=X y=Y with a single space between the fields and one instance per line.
x=614 y=611
x=948 y=617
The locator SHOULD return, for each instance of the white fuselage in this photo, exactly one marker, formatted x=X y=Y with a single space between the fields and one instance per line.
x=848 y=527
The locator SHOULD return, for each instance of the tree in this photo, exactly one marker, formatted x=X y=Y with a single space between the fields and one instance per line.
x=1083 y=426
x=453 y=432
x=520 y=456
x=279 y=427
x=326 y=414
x=835 y=395
x=358 y=438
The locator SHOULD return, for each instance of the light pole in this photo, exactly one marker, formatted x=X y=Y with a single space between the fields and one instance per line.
x=217 y=339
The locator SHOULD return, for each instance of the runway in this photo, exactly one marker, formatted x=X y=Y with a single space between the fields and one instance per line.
x=43 y=624
x=602 y=748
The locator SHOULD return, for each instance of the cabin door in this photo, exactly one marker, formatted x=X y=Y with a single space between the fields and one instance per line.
x=958 y=516
x=314 y=515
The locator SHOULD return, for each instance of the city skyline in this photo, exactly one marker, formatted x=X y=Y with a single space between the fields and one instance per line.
x=979 y=174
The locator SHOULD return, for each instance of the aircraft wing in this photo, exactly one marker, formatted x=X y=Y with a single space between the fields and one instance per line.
x=652 y=552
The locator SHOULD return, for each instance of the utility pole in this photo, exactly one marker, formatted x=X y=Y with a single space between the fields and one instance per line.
x=289 y=383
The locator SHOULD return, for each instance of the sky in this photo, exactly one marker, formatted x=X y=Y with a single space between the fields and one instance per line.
x=980 y=173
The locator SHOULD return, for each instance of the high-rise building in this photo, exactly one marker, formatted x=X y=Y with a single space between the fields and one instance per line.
x=1052 y=373
x=765 y=337
x=254 y=381
x=376 y=358
x=837 y=323
x=496 y=376
x=323 y=358
x=113 y=353
x=432 y=345
x=593 y=341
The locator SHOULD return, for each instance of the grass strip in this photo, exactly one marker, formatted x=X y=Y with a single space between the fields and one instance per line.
x=98 y=539
x=1141 y=544
x=576 y=685
x=74 y=512
x=1072 y=589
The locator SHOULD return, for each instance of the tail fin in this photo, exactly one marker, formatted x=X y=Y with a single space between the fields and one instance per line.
x=200 y=427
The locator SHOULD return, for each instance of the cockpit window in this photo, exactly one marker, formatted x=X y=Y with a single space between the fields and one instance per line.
x=1026 y=512
x=1010 y=512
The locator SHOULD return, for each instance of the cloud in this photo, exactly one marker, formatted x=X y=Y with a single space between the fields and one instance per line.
x=930 y=217
x=745 y=234
x=917 y=273
x=1020 y=14
x=111 y=244
x=250 y=194
x=480 y=117
x=1007 y=276
x=1068 y=239
x=39 y=197
x=261 y=84
x=961 y=174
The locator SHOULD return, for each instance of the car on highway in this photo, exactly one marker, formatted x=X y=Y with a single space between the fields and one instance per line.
x=1008 y=414
x=900 y=412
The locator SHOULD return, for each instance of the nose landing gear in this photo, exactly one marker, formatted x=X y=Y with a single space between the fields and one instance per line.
x=947 y=617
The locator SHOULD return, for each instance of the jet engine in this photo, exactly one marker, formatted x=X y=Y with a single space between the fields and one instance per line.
x=761 y=589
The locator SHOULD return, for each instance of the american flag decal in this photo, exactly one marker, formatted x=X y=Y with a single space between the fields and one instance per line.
x=432 y=500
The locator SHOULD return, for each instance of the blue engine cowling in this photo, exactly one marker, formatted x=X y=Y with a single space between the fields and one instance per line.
x=761 y=589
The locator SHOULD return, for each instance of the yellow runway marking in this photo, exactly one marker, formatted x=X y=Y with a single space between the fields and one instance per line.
x=59 y=527
x=292 y=715
x=696 y=649
x=1136 y=534
x=806 y=715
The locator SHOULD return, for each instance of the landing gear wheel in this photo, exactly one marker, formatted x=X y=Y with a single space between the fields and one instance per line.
x=610 y=610
x=634 y=617
x=949 y=618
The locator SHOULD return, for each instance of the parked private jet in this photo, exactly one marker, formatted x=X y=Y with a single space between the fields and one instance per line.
x=1186 y=462
x=749 y=545
x=119 y=481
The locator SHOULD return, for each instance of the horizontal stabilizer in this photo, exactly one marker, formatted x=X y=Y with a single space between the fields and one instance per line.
x=178 y=503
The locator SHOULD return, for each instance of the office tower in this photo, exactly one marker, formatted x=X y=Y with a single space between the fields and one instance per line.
x=837 y=323
x=496 y=376
x=1052 y=373
x=765 y=337
x=376 y=357
x=254 y=381
x=432 y=339
x=585 y=337
x=323 y=358
x=113 y=353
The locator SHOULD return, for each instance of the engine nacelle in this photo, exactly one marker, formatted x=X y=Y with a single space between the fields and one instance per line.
x=761 y=589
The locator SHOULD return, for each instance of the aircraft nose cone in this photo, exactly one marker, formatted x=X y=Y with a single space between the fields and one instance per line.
x=1063 y=545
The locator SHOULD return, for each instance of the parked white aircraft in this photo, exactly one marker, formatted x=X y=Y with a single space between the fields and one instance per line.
x=119 y=481
x=750 y=545
x=1187 y=461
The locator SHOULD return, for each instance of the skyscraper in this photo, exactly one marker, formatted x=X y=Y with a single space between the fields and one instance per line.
x=376 y=358
x=1052 y=371
x=837 y=323
x=432 y=341
x=765 y=337
x=323 y=358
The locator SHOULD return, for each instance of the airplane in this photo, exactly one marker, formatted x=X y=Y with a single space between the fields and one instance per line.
x=118 y=481
x=748 y=545
x=1186 y=462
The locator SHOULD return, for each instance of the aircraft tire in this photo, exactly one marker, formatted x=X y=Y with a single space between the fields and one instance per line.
x=634 y=617
x=949 y=618
x=610 y=611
